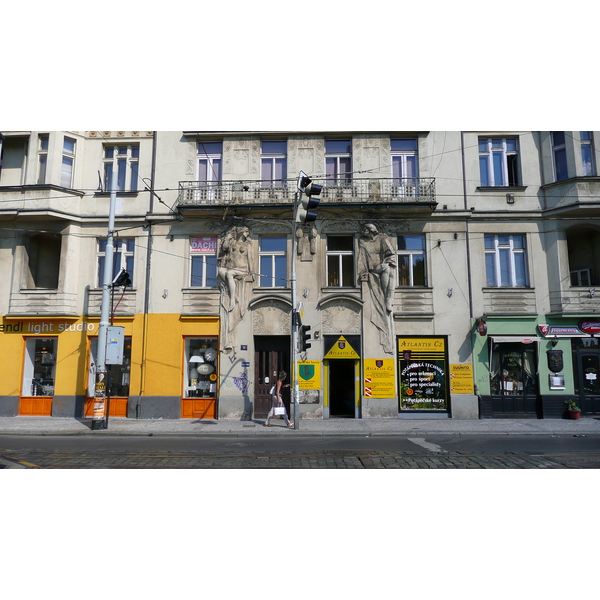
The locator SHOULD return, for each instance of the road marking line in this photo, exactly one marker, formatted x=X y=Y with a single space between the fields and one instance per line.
x=427 y=445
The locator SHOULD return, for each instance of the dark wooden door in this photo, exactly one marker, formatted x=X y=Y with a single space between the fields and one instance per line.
x=271 y=355
x=588 y=375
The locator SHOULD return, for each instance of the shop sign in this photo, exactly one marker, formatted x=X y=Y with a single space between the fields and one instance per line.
x=422 y=379
x=43 y=327
x=309 y=374
x=564 y=331
x=342 y=347
x=461 y=379
x=379 y=378
x=591 y=326
x=203 y=244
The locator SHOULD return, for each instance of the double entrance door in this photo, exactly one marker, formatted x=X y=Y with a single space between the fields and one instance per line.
x=271 y=355
x=586 y=367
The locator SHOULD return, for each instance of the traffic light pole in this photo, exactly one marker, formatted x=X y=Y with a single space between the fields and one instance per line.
x=296 y=390
x=101 y=389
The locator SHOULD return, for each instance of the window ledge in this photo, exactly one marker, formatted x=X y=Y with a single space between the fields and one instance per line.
x=119 y=193
x=504 y=188
x=519 y=288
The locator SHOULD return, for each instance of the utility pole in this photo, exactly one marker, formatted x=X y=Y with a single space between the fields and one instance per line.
x=100 y=414
x=302 y=214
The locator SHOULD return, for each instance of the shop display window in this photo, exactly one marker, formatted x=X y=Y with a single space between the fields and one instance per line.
x=118 y=375
x=513 y=370
x=39 y=369
x=200 y=368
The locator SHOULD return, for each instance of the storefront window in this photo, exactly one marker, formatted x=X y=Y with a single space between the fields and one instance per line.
x=39 y=370
x=118 y=375
x=512 y=370
x=200 y=368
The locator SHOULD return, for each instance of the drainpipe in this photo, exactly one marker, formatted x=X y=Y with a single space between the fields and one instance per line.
x=468 y=244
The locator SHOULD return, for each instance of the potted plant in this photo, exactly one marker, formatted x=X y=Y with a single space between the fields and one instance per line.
x=574 y=410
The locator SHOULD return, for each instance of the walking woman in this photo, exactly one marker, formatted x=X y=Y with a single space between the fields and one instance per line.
x=277 y=401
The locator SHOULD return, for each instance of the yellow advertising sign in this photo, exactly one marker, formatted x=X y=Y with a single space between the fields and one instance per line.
x=309 y=374
x=421 y=346
x=379 y=378
x=461 y=379
x=342 y=349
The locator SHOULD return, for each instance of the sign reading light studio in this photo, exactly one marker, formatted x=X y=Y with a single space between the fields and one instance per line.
x=37 y=328
x=422 y=368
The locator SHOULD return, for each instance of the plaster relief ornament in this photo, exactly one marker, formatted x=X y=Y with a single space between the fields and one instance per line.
x=377 y=267
x=234 y=279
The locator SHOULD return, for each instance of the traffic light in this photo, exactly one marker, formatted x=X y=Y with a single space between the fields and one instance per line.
x=122 y=279
x=304 y=338
x=308 y=200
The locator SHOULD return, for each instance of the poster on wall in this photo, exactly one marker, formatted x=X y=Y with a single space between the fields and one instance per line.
x=422 y=369
x=309 y=374
x=379 y=378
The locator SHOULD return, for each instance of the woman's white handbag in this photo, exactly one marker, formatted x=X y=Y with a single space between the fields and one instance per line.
x=280 y=410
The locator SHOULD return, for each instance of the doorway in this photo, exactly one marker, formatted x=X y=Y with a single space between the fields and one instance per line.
x=271 y=355
x=586 y=366
x=342 y=388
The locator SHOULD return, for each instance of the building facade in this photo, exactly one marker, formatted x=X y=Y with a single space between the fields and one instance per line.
x=447 y=275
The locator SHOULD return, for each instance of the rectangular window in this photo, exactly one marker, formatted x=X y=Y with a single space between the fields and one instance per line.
x=505 y=261
x=587 y=153
x=203 y=252
x=126 y=158
x=273 y=262
x=498 y=162
x=43 y=261
x=581 y=278
x=340 y=261
x=559 y=152
x=404 y=166
x=122 y=257
x=273 y=163
x=39 y=368
x=68 y=158
x=42 y=158
x=411 y=260
x=338 y=162
x=200 y=368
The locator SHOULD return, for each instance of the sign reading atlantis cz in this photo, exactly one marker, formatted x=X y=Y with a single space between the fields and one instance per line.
x=37 y=328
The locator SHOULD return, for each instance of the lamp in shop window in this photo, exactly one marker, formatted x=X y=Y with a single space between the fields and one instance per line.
x=197 y=359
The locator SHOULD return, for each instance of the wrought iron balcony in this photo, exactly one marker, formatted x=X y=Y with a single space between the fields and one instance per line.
x=355 y=191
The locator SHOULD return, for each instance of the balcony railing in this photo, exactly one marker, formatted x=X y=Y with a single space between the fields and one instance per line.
x=194 y=193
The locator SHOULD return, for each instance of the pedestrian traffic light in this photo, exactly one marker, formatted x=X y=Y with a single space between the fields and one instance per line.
x=308 y=200
x=304 y=338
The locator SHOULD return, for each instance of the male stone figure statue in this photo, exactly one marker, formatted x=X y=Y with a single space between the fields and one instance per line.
x=377 y=266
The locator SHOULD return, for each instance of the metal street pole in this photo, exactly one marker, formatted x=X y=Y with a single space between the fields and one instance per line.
x=100 y=415
x=295 y=318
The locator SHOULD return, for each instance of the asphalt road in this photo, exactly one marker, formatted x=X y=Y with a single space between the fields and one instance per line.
x=171 y=452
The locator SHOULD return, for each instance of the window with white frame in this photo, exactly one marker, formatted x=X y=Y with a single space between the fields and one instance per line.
x=338 y=162
x=498 y=162
x=404 y=166
x=559 y=154
x=273 y=261
x=42 y=157
x=340 y=261
x=210 y=158
x=505 y=261
x=126 y=157
x=39 y=366
x=68 y=159
x=587 y=152
x=273 y=162
x=123 y=257
x=411 y=260
x=203 y=253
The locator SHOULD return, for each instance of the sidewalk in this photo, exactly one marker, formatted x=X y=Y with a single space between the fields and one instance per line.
x=325 y=427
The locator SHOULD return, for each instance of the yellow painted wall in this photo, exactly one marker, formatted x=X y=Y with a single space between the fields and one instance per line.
x=163 y=354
